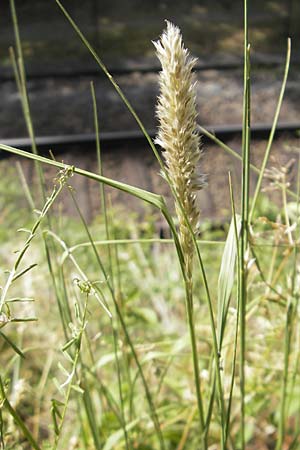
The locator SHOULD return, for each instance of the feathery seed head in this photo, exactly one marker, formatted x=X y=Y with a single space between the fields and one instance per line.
x=177 y=133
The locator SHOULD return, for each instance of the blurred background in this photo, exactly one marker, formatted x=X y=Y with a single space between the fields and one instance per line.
x=59 y=70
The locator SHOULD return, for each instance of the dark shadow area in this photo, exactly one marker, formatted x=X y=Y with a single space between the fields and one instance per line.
x=122 y=30
x=59 y=67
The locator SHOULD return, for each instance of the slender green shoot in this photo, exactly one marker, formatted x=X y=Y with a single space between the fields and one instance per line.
x=245 y=218
x=272 y=132
x=101 y=185
x=20 y=74
x=19 y=421
x=235 y=345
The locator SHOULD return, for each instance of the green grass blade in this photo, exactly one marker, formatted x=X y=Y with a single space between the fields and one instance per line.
x=245 y=218
x=291 y=318
x=20 y=73
x=149 y=197
x=100 y=170
x=12 y=344
x=91 y=416
x=272 y=132
x=227 y=276
x=28 y=436
x=22 y=272
x=237 y=226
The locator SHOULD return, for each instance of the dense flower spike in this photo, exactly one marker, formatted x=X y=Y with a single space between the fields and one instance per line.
x=177 y=135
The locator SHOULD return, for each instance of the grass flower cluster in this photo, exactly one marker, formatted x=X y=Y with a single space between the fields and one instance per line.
x=177 y=134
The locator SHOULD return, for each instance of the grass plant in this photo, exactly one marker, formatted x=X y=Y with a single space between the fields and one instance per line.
x=115 y=363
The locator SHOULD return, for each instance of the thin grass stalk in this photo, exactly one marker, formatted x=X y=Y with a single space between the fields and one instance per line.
x=153 y=412
x=90 y=413
x=64 y=295
x=121 y=396
x=188 y=425
x=100 y=170
x=283 y=399
x=115 y=249
x=20 y=74
x=38 y=401
x=57 y=294
x=245 y=217
x=104 y=211
x=86 y=396
x=18 y=420
x=269 y=286
x=119 y=298
x=113 y=406
x=75 y=361
x=117 y=293
x=25 y=186
x=296 y=297
x=190 y=316
x=238 y=261
x=83 y=433
x=296 y=250
x=272 y=132
x=211 y=316
x=209 y=410
x=1 y=430
x=84 y=278
x=66 y=319
x=63 y=306
x=91 y=241
x=291 y=317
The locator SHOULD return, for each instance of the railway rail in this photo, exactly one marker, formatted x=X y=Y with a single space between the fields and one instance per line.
x=86 y=141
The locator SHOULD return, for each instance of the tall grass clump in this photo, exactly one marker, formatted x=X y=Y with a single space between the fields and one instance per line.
x=112 y=364
x=179 y=138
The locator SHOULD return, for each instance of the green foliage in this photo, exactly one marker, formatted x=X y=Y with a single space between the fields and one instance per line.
x=112 y=362
x=14 y=212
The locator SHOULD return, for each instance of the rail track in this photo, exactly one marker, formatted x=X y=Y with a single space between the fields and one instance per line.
x=61 y=143
x=126 y=158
